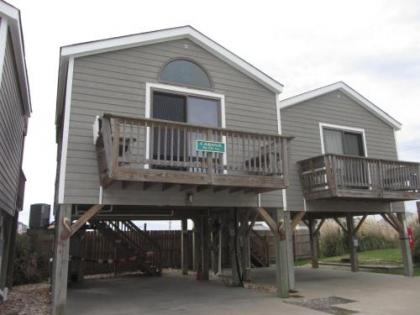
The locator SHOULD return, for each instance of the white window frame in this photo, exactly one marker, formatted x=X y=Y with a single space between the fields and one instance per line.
x=151 y=87
x=344 y=128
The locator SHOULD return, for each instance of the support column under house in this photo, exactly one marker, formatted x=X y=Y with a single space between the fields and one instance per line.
x=61 y=260
x=282 y=264
x=184 y=246
x=405 y=246
x=352 y=243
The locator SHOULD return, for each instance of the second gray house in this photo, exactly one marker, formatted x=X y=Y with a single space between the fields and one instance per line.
x=343 y=163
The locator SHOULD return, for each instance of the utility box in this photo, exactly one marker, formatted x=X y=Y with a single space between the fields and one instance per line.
x=39 y=217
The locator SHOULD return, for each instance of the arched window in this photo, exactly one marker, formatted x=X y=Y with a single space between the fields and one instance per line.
x=185 y=72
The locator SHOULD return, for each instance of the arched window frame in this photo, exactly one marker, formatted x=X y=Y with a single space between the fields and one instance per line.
x=211 y=88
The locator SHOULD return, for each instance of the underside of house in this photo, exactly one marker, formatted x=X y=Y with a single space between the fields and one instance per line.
x=183 y=129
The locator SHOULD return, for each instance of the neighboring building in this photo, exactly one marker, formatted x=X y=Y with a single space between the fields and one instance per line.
x=15 y=109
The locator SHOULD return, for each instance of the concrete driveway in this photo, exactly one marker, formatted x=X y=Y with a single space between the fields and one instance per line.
x=176 y=294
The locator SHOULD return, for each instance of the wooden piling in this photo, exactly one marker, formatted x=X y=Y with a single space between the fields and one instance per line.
x=405 y=246
x=61 y=261
x=290 y=256
x=282 y=270
x=313 y=238
x=352 y=241
x=184 y=246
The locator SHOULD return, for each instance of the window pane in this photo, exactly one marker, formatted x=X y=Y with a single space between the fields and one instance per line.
x=333 y=142
x=185 y=72
x=169 y=107
x=353 y=144
x=203 y=112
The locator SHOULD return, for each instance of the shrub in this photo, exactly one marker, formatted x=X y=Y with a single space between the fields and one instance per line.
x=332 y=240
x=26 y=262
x=372 y=235
x=376 y=235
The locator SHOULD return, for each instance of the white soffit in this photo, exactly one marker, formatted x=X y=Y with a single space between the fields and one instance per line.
x=347 y=90
x=105 y=45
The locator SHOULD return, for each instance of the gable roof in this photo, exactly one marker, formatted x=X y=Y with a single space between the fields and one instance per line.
x=142 y=39
x=348 y=91
x=11 y=15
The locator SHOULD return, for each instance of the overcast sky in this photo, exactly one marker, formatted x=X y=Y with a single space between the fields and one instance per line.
x=374 y=46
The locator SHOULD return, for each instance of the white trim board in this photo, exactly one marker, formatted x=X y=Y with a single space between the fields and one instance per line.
x=3 y=43
x=340 y=127
x=188 y=32
x=65 y=138
x=150 y=87
x=279 y=130
x=348 y=91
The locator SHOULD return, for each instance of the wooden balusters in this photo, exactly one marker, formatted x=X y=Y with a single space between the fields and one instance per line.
x=139 y=145
x=362 y=177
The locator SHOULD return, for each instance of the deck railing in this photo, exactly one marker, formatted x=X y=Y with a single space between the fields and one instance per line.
x=340 y=175
x=151 y=145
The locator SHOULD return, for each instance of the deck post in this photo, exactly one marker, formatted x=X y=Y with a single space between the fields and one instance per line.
x=11 y=266
x=418 y=211
x=5 y=252
x=195 y=248
x=282 y=265
x=205 y=239
x=220 y=249
x=244 y=245
x=290 y=256
x=352 y=241
x=405 y=246
x=313 y=237
x=234 y=249
x=184 y=246
x=61 y=261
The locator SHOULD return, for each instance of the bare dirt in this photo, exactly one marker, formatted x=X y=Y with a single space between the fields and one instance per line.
x=28 y=299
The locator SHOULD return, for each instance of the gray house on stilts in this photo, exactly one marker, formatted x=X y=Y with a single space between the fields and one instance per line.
x=171 y=125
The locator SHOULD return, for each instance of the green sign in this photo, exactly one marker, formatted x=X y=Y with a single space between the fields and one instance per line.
x=210 y=146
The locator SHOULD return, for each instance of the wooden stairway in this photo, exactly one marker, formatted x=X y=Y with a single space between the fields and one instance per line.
x=260 y=256
x=134 y=242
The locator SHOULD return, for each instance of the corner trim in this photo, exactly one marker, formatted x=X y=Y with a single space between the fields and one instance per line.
x=65 y=139
x=3 y=43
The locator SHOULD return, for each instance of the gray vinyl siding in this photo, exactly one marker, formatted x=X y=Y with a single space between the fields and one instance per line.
x=302 y=121
x=114 y=82
x=12 y=125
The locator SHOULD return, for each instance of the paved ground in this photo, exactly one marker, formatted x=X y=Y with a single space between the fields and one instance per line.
x=375 y=294
x=174 y=294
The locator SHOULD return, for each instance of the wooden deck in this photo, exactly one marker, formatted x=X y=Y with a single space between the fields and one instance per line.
x=164 y=152
x=340 y=176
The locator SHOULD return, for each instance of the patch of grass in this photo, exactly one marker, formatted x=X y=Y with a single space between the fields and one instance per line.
x=389 y=256
x=380 y=257
x=302 y=262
